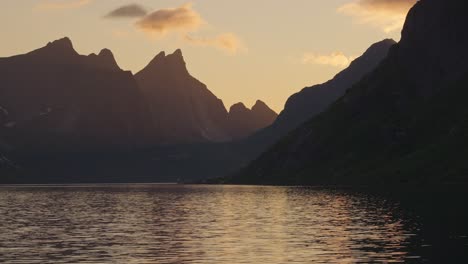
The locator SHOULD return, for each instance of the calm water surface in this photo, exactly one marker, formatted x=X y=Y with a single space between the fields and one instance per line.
x=217 y=224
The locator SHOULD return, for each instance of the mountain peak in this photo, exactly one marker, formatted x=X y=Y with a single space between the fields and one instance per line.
x=173 y=62
x=176 y=57
x=178 y=52
x=238 y=107
x=260 y=104
x=108 y=59
x=104 y=60
x=63 y=43
x=106 y=53
x=58 y=51
x=262 y=107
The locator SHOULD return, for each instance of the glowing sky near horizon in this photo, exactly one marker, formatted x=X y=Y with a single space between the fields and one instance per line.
x=243 y=50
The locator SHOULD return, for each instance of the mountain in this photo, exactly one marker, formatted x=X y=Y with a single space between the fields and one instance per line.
x=244 y=122
x=55 y=99
x=182 y=108
x=404 y=123
x=313 y=100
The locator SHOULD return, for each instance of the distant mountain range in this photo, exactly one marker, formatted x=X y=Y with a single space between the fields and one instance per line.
x=404 y=123
x=53 y=99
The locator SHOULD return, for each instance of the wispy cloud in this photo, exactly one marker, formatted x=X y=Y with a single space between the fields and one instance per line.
x=388 y=15
x=62 y=4
x=127 y=11
x=335 y=59
x=226 y=41
x=162 y=21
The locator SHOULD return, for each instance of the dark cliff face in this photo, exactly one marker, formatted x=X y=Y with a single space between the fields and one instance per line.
x=58 y=99
x=183 y=109
x=244 y=122
x=433 y=41
x=405 y=122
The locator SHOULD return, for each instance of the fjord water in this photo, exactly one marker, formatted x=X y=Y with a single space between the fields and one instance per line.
x=224 y=224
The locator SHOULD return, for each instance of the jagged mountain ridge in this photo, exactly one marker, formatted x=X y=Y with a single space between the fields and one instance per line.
x=55 y=98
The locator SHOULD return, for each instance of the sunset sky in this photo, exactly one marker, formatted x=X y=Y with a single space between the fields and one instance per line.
x=243 y=50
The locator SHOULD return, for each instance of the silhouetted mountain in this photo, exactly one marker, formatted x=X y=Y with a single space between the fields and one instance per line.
x=244 y=122
x=403 y=123
x=313 y=100
x=183 y=109
x=66 y=117
x=54 y=98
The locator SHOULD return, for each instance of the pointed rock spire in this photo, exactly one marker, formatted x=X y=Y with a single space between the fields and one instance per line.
x=171 y=64
x=158 y=59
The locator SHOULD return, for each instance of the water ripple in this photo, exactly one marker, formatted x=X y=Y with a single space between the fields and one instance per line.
x=198 y=224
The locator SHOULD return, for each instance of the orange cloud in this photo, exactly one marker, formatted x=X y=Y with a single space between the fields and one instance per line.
x=388 y=15
x=183 y=20
x=62 y=4
x=335 y=59
x=162 y=21
x=226 y=41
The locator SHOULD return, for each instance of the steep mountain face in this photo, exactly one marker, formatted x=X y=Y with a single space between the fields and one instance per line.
x=244 y=122
x=313 y=100
x=406 y=122
x=432 y=43
x=183 y=110
x=54 y=98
